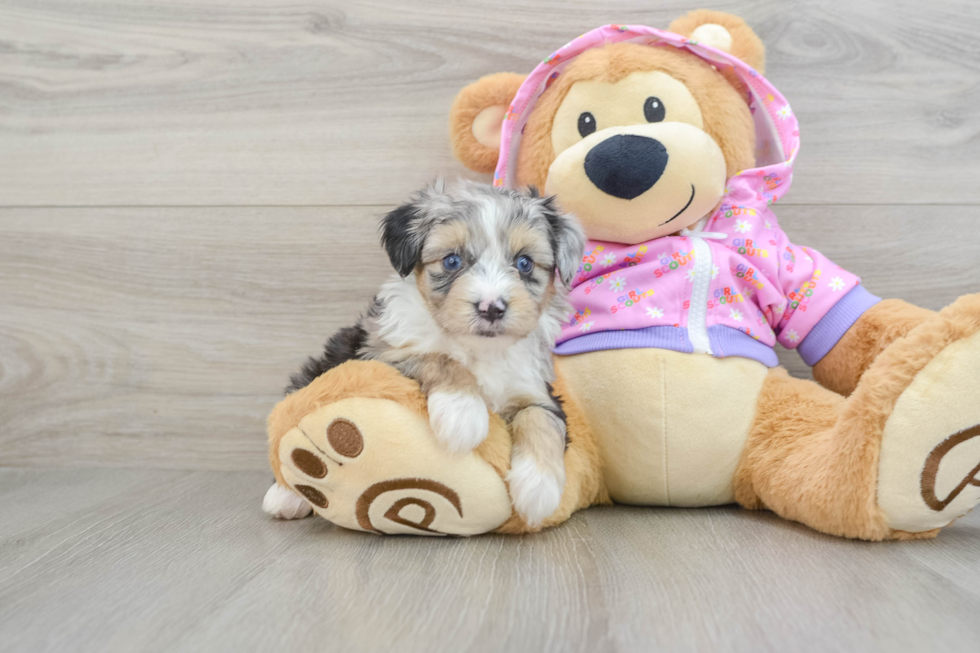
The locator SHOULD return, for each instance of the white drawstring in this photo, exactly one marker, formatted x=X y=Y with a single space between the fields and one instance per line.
x=703 y=234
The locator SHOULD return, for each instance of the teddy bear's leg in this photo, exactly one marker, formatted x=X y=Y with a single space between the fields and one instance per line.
x=899 y=458
x=798 y=464
x=884 y=323
x=357 y=445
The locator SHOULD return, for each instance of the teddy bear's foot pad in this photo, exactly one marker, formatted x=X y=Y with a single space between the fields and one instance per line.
x=929 y=469
x=374 y=465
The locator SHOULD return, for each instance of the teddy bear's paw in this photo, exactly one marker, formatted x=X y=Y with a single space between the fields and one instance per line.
x=460 y=420
x=536 y=493
x=929 y=465
x=283 y=503
x=374 y=465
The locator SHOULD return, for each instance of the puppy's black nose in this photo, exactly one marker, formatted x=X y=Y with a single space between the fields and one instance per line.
x=491 y=311
x=626 y=165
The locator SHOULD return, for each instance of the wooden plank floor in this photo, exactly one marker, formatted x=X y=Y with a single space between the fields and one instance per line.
x=188 y=200
x=137 y=560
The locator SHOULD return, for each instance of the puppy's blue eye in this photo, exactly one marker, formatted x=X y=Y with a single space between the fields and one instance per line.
x=524 y=264
x=452 y=262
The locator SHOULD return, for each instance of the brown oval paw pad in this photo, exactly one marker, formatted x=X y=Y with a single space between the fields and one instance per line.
x=308 y=463
x=345 y=438
x=312 y=495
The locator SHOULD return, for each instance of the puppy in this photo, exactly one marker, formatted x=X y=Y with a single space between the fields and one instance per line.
x=472 y=315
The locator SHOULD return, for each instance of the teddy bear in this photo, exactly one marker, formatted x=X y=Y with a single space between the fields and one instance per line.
x=671 y=148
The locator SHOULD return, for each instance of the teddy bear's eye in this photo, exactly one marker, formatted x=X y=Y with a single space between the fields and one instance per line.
x=654 y=110
x=586 y=124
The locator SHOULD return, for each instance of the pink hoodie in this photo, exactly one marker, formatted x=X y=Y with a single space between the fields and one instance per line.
x=733 y=287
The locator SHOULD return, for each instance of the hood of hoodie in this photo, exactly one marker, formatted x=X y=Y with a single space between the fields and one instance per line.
x=734 y=284
x=777 y=131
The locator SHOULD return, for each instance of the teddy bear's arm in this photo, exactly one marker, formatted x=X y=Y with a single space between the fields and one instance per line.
x=841 y=369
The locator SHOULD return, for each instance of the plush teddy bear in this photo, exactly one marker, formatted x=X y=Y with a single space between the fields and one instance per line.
x=671 y=148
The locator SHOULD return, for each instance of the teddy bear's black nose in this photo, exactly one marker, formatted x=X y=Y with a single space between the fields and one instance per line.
x=626 y=165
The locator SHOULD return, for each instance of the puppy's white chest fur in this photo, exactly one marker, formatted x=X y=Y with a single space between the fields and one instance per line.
x=504 y=368
x=512 y=373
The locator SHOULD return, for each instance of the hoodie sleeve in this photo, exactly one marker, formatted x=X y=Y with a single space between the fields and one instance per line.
x=822 y=300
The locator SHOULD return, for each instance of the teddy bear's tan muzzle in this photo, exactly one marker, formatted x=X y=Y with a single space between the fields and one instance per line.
x=635 y=183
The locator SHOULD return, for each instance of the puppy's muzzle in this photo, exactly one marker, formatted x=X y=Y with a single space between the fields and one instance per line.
x=491 y=311
x=626 y=165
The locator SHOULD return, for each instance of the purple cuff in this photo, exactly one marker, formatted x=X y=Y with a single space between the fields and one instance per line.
x=832 y=326
x=726 y=341
x=656 y=337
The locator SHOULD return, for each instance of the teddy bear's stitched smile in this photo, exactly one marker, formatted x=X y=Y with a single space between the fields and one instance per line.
x=676 y=215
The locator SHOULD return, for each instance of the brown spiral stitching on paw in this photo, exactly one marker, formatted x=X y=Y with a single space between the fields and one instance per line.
x=396 y=508
x=363 y=508
x=931 y=469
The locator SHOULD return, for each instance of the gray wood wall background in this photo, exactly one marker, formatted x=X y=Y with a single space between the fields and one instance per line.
x=189 y=192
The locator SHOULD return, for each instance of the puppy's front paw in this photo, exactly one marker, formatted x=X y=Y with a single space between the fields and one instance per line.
x=460 y=420
x=535 y=492
x=283 y=503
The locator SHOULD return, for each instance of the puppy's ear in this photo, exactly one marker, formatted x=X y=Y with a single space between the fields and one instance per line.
x=399 y=239
x=403 y=231
x=567 y=238
x=476 y=117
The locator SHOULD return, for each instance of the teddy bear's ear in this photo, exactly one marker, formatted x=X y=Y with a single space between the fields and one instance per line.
x=723 y=31
x=476 y=116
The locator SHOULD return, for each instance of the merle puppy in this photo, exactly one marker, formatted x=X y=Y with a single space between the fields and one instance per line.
x=472 y=314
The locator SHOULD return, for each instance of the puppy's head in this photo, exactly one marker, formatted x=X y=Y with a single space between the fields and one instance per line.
x=485 y=259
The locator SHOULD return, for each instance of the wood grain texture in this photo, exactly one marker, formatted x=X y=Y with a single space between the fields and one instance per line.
x=274 y=102
x=206 y=178
x=137 y=560
x=162 y=337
